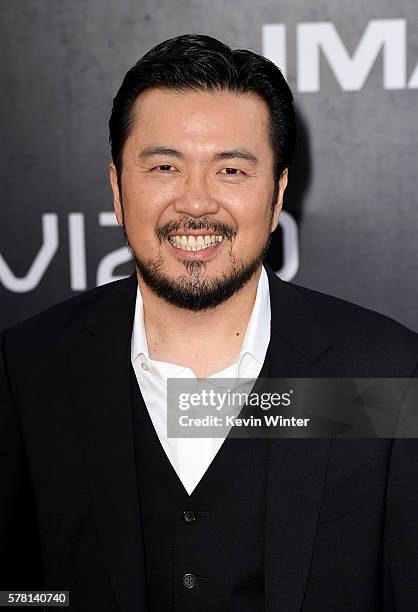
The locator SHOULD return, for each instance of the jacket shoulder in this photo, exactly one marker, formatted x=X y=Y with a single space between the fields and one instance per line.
x=358 y=331
x=59 y=321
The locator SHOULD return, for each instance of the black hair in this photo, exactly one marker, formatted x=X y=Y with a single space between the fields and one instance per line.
x=199 y=62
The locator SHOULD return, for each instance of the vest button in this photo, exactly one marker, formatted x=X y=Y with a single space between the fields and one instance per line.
x=189 y=581
x=189 y=516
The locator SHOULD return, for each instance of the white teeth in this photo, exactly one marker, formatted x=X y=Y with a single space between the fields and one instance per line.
x=195 y=243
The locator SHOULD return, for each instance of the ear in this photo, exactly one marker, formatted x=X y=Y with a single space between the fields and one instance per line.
x=117 y=205
x=279 y=202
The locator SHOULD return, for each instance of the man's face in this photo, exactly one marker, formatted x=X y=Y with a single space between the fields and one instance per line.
x=197 y=193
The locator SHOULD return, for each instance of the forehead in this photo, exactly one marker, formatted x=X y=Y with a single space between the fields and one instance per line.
x=193 y=118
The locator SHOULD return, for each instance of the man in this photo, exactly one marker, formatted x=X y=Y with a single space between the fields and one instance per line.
x=95 y=498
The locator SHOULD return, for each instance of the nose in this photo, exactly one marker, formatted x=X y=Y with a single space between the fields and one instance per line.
x=195 y=198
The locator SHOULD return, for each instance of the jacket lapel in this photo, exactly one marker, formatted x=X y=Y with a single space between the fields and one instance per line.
x=100 y=369
x=297 y=467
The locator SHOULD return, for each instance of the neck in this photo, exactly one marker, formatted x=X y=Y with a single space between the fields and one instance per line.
x=208 y=340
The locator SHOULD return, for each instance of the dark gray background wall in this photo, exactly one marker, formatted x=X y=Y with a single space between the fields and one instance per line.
x=351 y=224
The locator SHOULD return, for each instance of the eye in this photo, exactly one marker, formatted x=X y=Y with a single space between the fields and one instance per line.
x=231 y=171
x=165 y=168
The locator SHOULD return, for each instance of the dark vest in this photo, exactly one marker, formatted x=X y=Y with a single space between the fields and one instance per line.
x=203 y=552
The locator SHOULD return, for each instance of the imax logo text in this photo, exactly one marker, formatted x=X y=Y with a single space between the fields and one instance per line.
x=351 y=71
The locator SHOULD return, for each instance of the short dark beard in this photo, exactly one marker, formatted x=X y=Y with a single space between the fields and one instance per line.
x=190 y=291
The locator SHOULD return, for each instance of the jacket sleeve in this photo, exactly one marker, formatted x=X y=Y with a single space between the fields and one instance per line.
x=20 y=551
x=400 y=555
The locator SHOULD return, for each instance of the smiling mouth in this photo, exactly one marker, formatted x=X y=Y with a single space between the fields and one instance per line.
x=195 y=243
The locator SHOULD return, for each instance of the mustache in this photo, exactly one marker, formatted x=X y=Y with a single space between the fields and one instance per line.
x=197 y=225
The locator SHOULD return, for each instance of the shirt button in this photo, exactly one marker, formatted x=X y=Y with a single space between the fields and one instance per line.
x=189 y=581
x=189 y=516
x=144 y=367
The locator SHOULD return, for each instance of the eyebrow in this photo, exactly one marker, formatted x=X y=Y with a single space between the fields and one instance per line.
x=222 y=155
x=150 y=151
x=236 y=154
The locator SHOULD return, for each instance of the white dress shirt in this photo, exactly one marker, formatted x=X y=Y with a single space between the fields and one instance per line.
x=191 y=457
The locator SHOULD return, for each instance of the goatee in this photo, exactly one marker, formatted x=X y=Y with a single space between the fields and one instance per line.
x=192 y=291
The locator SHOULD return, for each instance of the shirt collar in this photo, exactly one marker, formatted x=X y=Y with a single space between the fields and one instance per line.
x=256 y=337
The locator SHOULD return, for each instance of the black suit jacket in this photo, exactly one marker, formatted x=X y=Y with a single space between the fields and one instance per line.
x=341 y=529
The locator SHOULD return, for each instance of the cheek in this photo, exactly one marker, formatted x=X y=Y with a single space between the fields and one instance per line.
x=251 y=237
x=253 y=226
x=143 y=206
x=249 y=203
x=253 y=217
